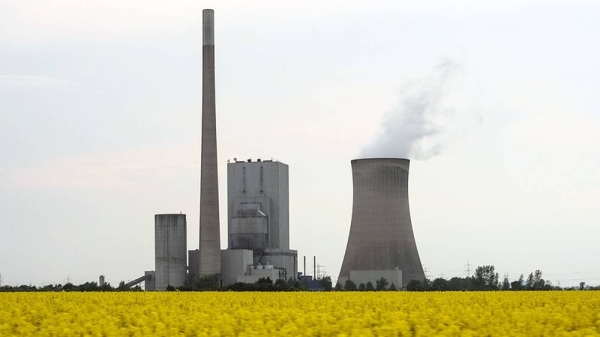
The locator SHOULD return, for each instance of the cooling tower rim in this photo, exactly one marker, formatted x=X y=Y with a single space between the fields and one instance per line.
x=383 y=158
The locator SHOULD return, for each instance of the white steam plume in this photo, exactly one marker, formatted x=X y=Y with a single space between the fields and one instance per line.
x=430 y=111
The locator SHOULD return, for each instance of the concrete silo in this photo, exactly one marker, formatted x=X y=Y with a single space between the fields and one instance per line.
x=381 y=235
x=170 y=250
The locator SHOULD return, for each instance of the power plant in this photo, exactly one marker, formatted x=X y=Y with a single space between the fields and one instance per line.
x=381 y=241
x=258 y=215
x=258 y=211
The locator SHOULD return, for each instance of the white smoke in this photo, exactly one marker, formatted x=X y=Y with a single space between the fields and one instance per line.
x=430 y=112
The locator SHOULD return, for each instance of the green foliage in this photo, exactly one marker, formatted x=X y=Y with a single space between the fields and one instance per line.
x=209 y=282
x=458 y=284
x=517 y=285
x=326 y=283
x=264 y=280
x=486 y=278
x=89 y=286
x=414 y=285
x=349 y=285
x=381 y=284
x=505 y=283
x=263 y=284
x=121 y=286
x=439 y=284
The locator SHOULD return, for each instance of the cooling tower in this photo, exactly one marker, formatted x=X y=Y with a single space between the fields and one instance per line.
x=210 y=233
x=381 y=235
x=170 y=250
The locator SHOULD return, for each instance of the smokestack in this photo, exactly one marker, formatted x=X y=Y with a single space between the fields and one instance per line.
x=210 y=240
x=304 y=266
x=315 y=266
x=381 y=235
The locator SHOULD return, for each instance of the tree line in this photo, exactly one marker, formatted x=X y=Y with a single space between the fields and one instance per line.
x=85 y=287
x=485 y=278
x=207 y=283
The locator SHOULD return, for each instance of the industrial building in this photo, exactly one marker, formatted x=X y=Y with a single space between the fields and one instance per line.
x=258 y=221
x=258 y=231
x=381 y=240
x=258 y=211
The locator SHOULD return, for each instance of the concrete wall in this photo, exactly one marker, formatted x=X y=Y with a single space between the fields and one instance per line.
x=170 y=250
x=150 y=284
x=381 y=235
x=235 y=263
x=194 y=263
x=260 y=186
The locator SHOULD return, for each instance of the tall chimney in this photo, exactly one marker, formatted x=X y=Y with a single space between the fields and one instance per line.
x=381 y=234
x=210 y=240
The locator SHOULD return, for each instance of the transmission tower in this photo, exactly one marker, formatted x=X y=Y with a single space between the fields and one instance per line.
x=426 y=272
x=468 y=270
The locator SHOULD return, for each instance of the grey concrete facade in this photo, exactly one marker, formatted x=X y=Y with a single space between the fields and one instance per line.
x=209 y=262
x=258 y=213
x=194 y=263
x=258 y=205
x=381 y=235
x=170 y=235
x=150 y=283
x=235 y=263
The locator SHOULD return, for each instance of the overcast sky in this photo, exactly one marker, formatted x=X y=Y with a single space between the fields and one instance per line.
x=100 y=106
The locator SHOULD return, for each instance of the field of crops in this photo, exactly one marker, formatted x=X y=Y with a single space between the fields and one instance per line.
x=574 y=313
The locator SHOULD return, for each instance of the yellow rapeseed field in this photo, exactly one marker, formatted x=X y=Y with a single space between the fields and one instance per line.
x=573 y=313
